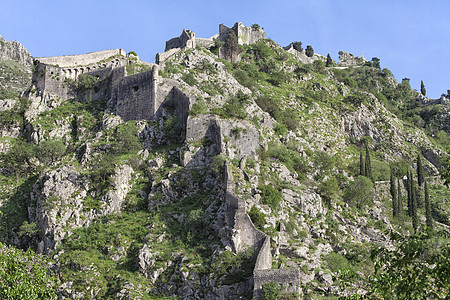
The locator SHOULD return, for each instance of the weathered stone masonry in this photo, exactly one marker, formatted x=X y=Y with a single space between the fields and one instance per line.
x=246 y=236
x=135 y=96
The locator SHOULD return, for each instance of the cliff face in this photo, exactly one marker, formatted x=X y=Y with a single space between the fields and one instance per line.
x=15 y=69
x=15 y=51
x=244 y=175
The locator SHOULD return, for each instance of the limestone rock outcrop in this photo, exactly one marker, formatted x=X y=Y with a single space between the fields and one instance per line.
x=15 y=51
x=62 y=203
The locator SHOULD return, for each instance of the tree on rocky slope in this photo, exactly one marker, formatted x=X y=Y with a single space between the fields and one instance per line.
x=393 y=190
x=400 y=197
x=297 y=46
x=362 y=167
x=423 y=91
x=419 y=171
x=358 y=191
x=309 y=51
x=329 y=62
x=368 y=164
x=429 y=218
x=231 y=49
x=376 y=62
x=409 y=193
x=415 y=216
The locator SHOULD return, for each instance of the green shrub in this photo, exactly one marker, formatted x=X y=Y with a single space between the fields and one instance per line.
x=380 y=170
x=250 y=162
x=235 y=106
x=267 y=104
x=358 y=191
x=49 y=151
x=291 y=159
x=336 y=262
x=189 y=79
x=271 y=291
x=243 y=78
x=258 y=217
x=218 y=163
x=102 y=169
x=171 y=127
x=270 y=196
x=208 y=67
x=127 y=139
x=329 y=189
x=24 y=275
x=198 y=108
x=86 y=82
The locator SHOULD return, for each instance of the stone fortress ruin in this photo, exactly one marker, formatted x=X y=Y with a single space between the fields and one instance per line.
x=109 y=75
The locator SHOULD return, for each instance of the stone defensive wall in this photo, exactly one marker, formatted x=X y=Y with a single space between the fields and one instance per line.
x=246 y=236
x=207 y=43
x=288 y=279
x=185 y=40
x=81 y=59
x=161 y=57
x=141 y=96
x=135 y=96
x=246 y=35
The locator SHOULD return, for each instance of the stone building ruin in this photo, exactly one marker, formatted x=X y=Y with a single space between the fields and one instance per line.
x=133 y=96
x=188 y=40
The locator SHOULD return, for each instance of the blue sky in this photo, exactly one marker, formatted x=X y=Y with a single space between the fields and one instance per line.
x=410 y=37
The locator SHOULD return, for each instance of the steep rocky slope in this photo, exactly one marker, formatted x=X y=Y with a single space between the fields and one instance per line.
x=259 y=183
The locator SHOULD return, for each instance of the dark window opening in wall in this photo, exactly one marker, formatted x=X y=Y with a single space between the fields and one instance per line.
x=51 y=73
x=135 y=88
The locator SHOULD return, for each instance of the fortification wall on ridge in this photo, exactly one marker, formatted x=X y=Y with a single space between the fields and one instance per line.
x=135 y=96
x=246 y=35
x=161 y=57
x=185 y=40
x=207 y=43
x=81 y=59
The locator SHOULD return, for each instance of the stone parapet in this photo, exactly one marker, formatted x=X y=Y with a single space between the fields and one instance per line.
x=81 y=59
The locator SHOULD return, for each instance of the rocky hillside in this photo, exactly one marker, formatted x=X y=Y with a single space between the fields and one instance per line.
x=276 y=183
x=15 y=69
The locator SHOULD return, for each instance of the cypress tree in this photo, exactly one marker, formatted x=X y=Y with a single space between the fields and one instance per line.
x=329 y=61
x=393 y=190
x=415 y=218
x=368 y=165
x=400 y=197
x=231 y=49
x=408 y=190
x=362 y=167
x=423 y=91
x=428 y=208
x=419 y=171
x=309 y=51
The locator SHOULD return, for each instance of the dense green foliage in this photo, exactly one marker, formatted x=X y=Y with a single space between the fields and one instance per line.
x=358 y=191
x=417 y=269
x=270 y=196
x=271 y=291
x=309 y=51
x=25 y=275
